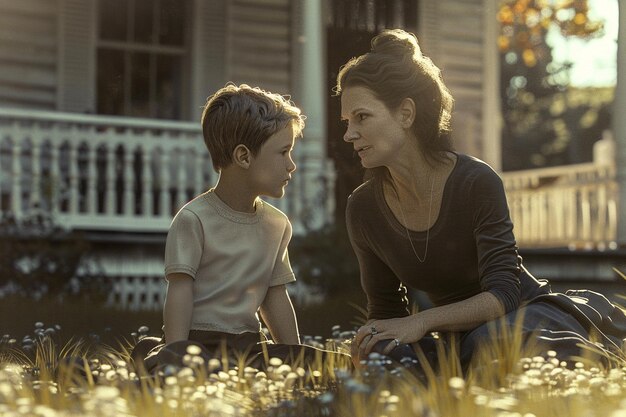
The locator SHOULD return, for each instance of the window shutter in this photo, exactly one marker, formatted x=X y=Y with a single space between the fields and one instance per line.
x=77 y=56
x=259 y=44
x=28 y=54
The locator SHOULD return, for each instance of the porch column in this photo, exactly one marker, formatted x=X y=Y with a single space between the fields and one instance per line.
x=315 y=169
x=619 y=123
x=491 y=110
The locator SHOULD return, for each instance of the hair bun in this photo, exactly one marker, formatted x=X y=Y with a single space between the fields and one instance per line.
x=396 y=42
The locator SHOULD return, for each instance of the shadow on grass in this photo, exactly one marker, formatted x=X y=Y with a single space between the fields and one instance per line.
x=84 y=319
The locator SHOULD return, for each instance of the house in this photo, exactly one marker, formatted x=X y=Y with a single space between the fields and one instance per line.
x=100 y=102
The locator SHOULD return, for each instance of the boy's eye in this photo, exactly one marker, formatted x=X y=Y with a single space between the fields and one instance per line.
x=361 y=116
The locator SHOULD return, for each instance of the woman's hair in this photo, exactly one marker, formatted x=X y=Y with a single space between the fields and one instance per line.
x=394 y=70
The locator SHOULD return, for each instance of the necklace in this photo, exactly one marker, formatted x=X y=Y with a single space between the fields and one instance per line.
x=430 y=206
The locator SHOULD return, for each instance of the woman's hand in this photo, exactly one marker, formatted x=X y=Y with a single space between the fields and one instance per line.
x=408 y=329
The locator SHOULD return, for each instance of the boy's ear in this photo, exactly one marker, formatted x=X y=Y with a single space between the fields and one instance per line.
x=242 y=156
x=407 y=112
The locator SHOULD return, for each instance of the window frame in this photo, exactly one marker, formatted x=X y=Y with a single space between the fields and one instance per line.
x=153 y=49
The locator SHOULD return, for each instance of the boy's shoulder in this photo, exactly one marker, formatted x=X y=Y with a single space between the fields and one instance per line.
x=196 y=206
x=208 y=206
x=273 y=213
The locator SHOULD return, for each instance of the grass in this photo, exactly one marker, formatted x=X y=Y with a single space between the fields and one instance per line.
x=83 y=377
x=43 y=373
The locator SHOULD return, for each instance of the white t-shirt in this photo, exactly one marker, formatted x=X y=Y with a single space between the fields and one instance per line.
x=233 y=257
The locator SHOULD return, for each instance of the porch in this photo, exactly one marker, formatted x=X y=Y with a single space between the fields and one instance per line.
x=122 y=180
x=119 y=174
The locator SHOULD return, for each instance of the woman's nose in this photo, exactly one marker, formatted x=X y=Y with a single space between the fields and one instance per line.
x=350 y=135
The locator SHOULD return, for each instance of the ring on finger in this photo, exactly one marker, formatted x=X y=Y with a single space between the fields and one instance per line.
x=373 y=330
x=397 y=342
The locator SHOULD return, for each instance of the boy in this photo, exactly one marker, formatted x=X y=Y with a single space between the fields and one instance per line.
x=226 y=252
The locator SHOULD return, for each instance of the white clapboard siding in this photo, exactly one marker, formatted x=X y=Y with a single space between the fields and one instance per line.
x=77 y=56
x=28 y=53
x=259 y=42
x=209 y=42
x=452 y=34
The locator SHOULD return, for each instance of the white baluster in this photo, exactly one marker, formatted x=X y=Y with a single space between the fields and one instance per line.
x=541 y=216
x=526 y=219
x=146 y=183
x=91 y=203
x=35 y=195
x=166 y=209
x=612 y=210
x=181 y=194
x=198 y=186
x=560 y=214
x=16 y=192
x=129 y=174
x=585 y=211
x=73 y=171
x=55 y=177
x=110 y=196
x=572 y=227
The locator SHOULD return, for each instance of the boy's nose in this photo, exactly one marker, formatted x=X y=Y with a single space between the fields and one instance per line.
x=291 y=167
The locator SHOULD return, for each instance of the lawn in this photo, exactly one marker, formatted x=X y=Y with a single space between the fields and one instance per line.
x=41 y=375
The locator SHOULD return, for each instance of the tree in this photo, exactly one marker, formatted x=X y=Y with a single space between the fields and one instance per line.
x=531 y=81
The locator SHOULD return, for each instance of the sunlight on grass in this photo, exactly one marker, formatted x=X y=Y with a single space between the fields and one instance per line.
x=42 y=377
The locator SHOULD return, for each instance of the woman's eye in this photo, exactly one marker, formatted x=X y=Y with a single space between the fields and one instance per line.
x=362 y=116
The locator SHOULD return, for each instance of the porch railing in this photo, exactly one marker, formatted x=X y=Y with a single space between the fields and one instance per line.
x=115 y=173
x=112 y=173
x=571 y=206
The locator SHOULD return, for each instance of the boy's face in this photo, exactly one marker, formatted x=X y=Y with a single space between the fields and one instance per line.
x=270 y=170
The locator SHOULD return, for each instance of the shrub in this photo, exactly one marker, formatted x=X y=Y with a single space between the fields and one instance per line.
x=38 y=257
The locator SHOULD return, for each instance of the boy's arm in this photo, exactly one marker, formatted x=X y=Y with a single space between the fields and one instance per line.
x=178 y=307
x=279 y=317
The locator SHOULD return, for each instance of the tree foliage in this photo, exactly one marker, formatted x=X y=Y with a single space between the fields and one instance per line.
x=532 y=82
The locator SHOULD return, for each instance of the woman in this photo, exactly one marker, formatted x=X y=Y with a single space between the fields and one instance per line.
x=435 y=220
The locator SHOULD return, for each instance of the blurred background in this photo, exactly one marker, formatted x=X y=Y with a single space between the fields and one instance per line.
x=100 y=142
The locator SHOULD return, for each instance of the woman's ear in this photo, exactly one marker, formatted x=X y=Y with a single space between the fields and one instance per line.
x=407 y=112
x=242 y=156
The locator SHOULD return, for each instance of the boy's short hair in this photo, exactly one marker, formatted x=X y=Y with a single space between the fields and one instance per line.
x=245 y=115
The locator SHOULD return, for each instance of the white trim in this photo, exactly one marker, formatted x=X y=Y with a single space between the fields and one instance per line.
x=112 y=121
x=491 y=110
x=619 y=124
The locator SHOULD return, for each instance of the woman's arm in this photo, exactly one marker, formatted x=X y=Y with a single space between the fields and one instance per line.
x=279 y=317
x=460 y=316
x=499 y=264
x=178 y=307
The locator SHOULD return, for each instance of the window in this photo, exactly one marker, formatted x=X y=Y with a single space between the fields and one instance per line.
x=142 y=58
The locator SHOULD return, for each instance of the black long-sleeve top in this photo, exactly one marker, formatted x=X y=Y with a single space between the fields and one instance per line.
x=471 y=246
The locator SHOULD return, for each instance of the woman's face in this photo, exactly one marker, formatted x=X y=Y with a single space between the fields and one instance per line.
x=376 y=133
